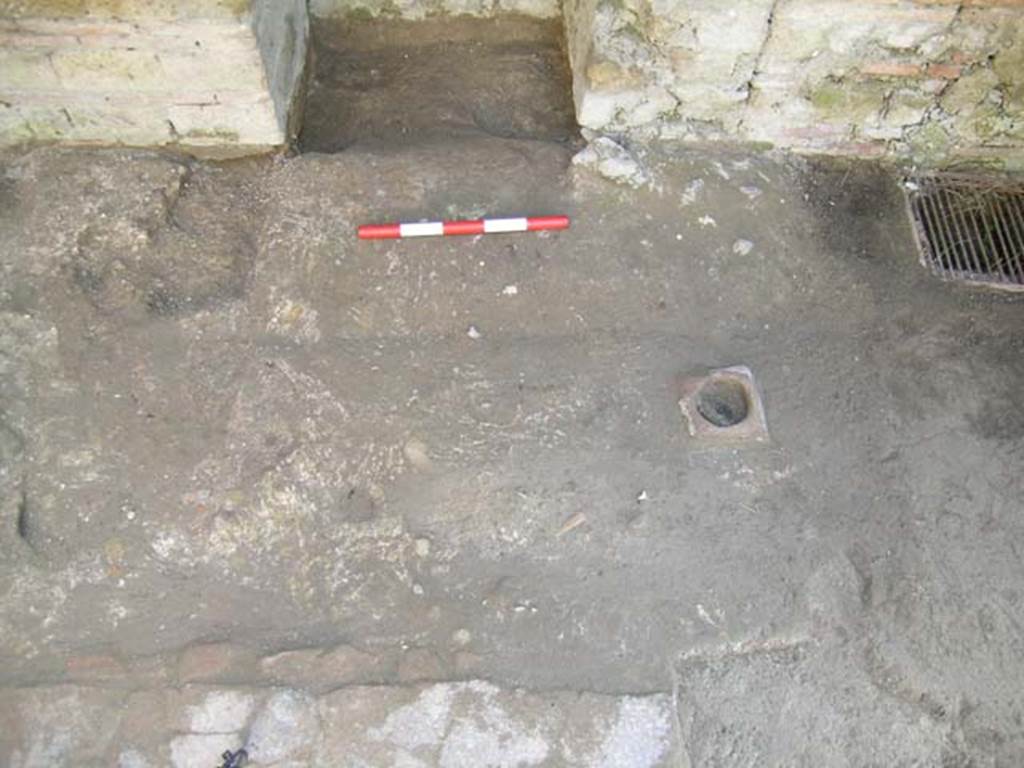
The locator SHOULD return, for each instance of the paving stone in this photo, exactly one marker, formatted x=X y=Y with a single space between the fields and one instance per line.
x=146 y=726
x=133 y=758
x=476 y=723
x=197 y=750
x=217 y=711
x=286 y=728
x=58 y=726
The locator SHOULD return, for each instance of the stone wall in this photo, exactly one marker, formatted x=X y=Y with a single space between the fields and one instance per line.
x=213 y=75
x=934 y=81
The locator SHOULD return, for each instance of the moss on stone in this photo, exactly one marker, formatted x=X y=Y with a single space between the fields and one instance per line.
x=846 y=101
x=360 y=13
x=969 y=91
x=986 y=123
x=1009 y=64
x=827 y=96
x=32 y=130
x=930 y=143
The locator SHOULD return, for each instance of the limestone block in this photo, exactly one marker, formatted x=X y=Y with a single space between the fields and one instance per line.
x=218 y=75
x=635 y=63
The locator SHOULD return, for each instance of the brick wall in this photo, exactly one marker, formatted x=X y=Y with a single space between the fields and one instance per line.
x=933 y=81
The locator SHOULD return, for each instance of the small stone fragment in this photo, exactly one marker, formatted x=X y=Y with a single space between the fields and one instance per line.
x=573 y=522
x=613 y=161
x=742 y=247
x=691 y=192
x=416 y=453
x=221 y=712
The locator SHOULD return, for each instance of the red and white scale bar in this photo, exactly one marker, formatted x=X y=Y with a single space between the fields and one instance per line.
x=464 y=227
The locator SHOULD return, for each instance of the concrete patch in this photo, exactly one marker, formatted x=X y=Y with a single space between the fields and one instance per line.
x=802 y=705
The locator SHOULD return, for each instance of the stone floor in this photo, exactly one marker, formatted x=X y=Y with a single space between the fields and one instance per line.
x=434 y=502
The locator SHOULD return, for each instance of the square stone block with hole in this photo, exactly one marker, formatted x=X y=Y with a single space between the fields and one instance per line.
x=723 y=405
x=216 y=76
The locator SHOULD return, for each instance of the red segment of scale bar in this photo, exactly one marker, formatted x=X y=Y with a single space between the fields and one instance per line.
x=462 y=227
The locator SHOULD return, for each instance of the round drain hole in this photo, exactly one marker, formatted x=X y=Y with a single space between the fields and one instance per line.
x=723 y=402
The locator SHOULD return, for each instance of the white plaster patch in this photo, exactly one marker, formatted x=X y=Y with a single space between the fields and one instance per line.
x=198 y=749
x=488 y=735
x=742 y=247
x=640 y=735
x=421 y=723
x=286 y=726
x=221 y=712
x=132 y=758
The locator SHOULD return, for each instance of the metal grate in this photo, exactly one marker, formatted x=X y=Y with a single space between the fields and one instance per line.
x=969 y=228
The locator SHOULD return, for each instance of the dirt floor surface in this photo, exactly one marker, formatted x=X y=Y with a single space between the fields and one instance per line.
x=399 y=82
x=434 y=502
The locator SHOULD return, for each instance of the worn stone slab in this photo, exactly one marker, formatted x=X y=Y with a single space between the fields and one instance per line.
x=448 y=725
x=214 y=75
x=452 y=725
